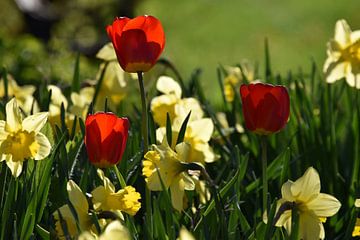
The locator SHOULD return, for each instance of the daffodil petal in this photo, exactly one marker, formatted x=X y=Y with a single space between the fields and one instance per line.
x=3 y=133
x=34 y=123
x=357 y=202
x=284 y=219
x=184 y=234
x=202 y=129
x=324 y=205
x=286 y=191
x=310 y=227
x=13 y=116
x=167 y=85
x=336 y=71
x=99 y=198
x=306 y=187
x=177 y=193
x=15 y=167
x=115 y=230
x=107 y=52
x=183 y=150
x=109 y=187
x=77 y=198
x=188 y=182
x=342 y=33
x=44 y=146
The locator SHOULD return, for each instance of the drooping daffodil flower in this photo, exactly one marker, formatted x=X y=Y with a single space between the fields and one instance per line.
x=163 y=165
x=115 y=230
x=313 y=207
x=106 y=199
x=21 y=139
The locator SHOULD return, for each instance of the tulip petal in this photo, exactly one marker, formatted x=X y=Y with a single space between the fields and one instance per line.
x=13 y=116
x=324 y=205
x=114 y=31
x=307 y=187
x=34 y=123
x=150 y=26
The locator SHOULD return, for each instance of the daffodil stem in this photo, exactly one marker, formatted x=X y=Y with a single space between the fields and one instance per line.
x=264 y=172
x=120 y=177
x=144 y=116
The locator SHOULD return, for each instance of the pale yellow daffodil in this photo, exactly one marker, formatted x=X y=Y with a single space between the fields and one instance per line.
x=234 y=78
x=343 y=56
x=197 y=135
x=184 y=234
x=115 y=230
x=21 y=139
x=114 y=85
x=313 y=207
x=356 y=231
x=81 y=206
x=106 y=199
x=171 y=102
x=23 y=94
x=167 y=164
x=56 y=100
x=81 y=101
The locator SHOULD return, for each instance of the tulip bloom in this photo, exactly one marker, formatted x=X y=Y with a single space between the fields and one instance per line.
x=138 y=42
x=105 y=138
x=266 y=107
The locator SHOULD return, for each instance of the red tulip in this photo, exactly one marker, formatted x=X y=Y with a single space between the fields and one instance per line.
x=105 y=138
x=138 y=42
x=266 y=107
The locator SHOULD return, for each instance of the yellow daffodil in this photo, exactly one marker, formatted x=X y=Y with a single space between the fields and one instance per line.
x=356 y=231
x=21 y=139
x=313 y=207
x=167 y=164
x=184 y=234
x=81 y=101
x=343 y=56
x=115 y=230
x=23 y=94
x=197 y=135
x=170 y=102
x=114 y=86
x=81 y=206
x=57 y=98
x=235 y=77
x=200 y=187
x=106 y=199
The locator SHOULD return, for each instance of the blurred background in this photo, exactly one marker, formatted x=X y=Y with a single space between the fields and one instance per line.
x=39 y=39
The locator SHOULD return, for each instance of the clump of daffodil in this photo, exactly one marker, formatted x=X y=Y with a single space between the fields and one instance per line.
x=163 y=165
x=81 y=207
x=234 y=78
x=197 y=135
x=23 y=94
x=312 y=206
x=356 y=231
x=171 y=102
x=21 y=139
x=80 y=105
x=115 y=83
x=105 y=198
x=115 y=230
x=343 y=55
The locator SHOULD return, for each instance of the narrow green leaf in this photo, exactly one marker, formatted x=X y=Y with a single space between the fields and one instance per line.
x=183 y=129
x=168 y=129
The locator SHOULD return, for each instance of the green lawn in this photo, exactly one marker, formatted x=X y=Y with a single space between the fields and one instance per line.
x=205 y=33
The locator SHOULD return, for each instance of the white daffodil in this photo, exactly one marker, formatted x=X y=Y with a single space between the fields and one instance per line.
x=343 y=56
x=21 y=139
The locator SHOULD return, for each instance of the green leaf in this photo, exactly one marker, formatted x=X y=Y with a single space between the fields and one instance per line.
x=183 y=129
x=168 y=129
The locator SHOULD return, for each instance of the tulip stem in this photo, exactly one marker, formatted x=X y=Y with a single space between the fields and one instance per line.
x=264 y=172
x=120 y=177
x=144 y=116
